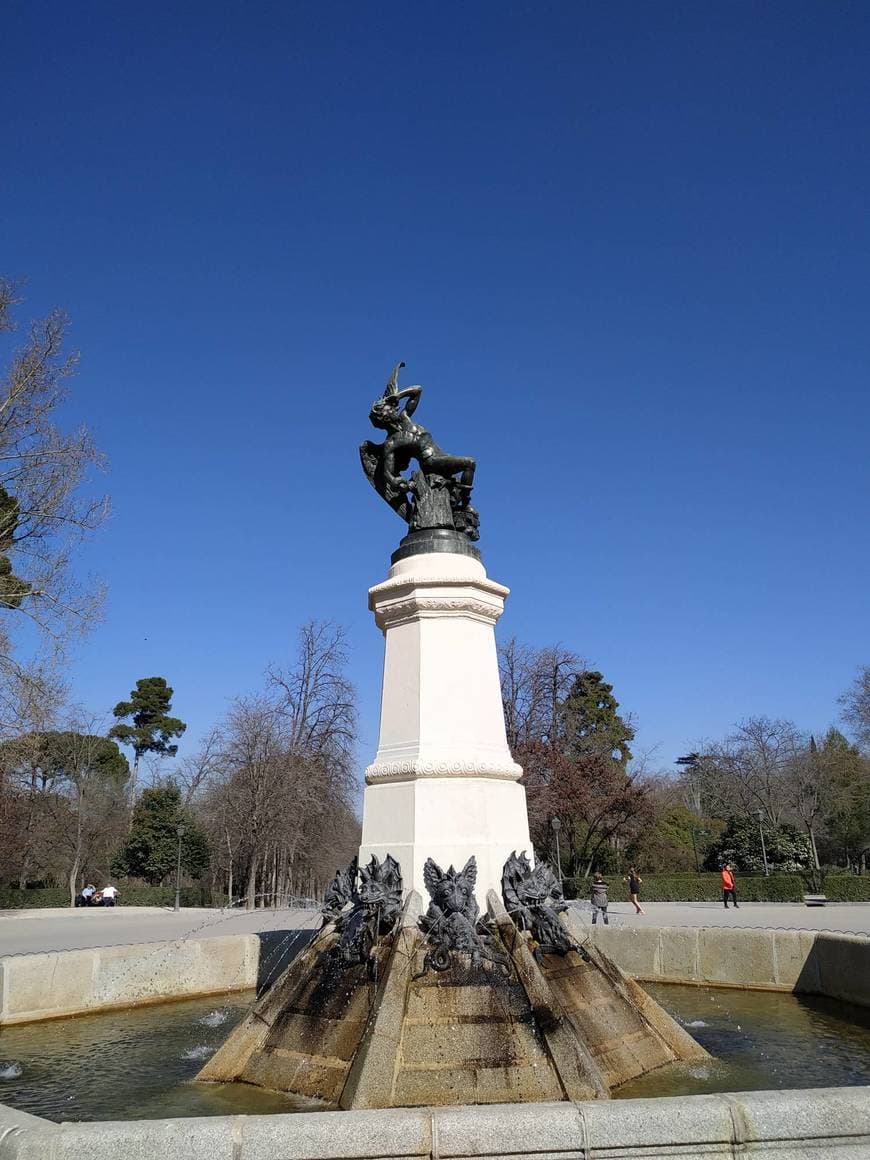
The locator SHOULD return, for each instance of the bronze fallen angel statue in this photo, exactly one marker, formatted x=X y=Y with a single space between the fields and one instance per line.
x=435 y=496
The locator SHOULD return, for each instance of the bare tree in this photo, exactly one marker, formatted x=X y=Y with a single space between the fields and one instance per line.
x=279 y=804
x=194 y=774
x=534 y=682
x=751 y=769
x=44 y=511
x=316 y=701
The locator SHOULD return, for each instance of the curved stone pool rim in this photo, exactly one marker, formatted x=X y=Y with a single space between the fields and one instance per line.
x=816 y=1123
x=791 y=1125
x=53 y=985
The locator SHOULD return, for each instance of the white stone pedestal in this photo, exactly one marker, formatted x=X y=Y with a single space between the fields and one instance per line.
x=443 y=783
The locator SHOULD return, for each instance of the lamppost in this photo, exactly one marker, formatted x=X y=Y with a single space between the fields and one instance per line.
x=763 y=847
x=556 y=826
x=180 y=832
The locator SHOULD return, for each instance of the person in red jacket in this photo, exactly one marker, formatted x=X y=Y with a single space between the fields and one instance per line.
x=728 y=886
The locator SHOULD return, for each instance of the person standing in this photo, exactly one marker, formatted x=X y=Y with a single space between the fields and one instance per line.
x=728 y=887
x=599 y=899
x=634 y=884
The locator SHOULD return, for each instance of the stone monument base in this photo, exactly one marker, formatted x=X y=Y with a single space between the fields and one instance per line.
x=448 y=819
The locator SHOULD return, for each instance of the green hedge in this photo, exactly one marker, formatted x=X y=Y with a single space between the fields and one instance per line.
x=750 y=888
x=847 y=888
x=37 y=897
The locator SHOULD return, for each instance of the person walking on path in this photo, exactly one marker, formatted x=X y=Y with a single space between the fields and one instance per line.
x=599 y=899
x=728 y=887
x=634 y=884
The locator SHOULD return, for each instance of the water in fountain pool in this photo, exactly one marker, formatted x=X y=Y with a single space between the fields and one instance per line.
x=760 y=1040
x=137 y=1063
x=132 y=1064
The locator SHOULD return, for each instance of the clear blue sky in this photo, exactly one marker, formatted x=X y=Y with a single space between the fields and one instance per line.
x=623 y=246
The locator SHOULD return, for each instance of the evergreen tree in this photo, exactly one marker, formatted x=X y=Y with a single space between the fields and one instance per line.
x=152 y=729
x=848 y=818
x=788 y=850
x=590 y=723
x=151 y=850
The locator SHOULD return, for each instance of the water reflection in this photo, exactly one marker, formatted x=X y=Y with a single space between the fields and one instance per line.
x=760 y=1040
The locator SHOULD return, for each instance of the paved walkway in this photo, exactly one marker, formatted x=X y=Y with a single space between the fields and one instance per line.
x=25 y=932
x=842 y=916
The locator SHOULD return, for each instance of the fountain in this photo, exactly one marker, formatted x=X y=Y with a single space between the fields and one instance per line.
x=486 y=996
x=490 y=993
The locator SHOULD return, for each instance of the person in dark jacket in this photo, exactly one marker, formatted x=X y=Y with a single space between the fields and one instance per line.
x=634 y=881
x=599 y=899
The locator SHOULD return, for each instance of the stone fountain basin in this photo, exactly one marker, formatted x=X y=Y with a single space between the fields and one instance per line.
x=788 y=1124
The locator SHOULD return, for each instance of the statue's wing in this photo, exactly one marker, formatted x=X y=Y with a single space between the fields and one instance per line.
x=392 y=877
x=469 y=872
x=340 y=890
x=510 y=878
x=433 y=875
x=372 y=458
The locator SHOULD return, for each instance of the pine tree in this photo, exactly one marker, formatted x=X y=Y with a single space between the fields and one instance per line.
x=152 y=729
x=151 y=850
x=590 y=723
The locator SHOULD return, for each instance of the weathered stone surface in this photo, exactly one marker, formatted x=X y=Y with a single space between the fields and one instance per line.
x=443 y=1000
x=46 y=985
x=659 y=1128
x=390 y=1134
x=841 y=963
x=806 y=1119
x=723 y=953
x=231 y=1058
x=634 y=948
x=315 y=1076
x=530 y=1082
x=791 y=950
x=677 y=953
x=828 y=1123
x=193 y=1139
x=51 y=985
x=625 y=1031
x=310 y=1046
x=555 y=1130
x=579 y=1075
x=676 y=1037
x=371 y=1078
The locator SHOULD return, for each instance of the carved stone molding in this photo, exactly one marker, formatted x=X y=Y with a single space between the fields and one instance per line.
x=504 y=769
x=398 y=611
x=398 y=583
